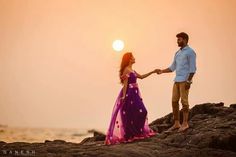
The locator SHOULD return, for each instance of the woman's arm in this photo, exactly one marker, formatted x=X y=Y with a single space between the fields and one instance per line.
x=125 y=83
x=145 y=75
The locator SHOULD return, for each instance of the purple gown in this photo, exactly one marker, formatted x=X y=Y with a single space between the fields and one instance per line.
x=129 y=118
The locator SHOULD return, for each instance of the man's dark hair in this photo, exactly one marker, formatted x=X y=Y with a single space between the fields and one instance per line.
x=183 y=35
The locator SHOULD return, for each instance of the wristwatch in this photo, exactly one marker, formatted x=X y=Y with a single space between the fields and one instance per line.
x=190 y=82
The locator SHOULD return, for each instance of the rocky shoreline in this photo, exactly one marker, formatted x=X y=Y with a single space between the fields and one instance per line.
x=212 y=133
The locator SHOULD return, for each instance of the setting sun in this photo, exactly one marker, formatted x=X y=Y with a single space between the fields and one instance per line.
x=118 y=45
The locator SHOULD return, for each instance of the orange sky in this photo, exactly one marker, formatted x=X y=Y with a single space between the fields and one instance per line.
x=58 y=68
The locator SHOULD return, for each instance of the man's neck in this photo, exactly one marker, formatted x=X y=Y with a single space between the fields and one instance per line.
x=183 y=47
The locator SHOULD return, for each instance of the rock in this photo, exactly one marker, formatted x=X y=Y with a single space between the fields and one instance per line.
x=97 y=133
x=59 y=141
x=55 y=141
x=97 y=136
x=221 y=104
x=206 y=108
x=47 y=141
x=212 y=133
x=225 y=142
x=2 y=143
x=233 y=106
x=161 y=127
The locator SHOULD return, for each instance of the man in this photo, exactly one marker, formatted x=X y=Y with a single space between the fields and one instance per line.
x=185 y=66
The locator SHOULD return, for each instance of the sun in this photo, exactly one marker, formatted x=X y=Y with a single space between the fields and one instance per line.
x=118 y=45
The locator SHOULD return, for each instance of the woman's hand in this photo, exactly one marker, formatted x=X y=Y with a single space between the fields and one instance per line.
x=122 y=99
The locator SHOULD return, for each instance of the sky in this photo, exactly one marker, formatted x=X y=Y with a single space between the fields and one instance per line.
x=58 y=68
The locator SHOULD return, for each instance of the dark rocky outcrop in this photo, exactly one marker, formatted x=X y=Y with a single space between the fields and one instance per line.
x=212 y=133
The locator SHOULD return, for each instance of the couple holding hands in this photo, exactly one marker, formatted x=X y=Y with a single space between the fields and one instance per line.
x=129 y=116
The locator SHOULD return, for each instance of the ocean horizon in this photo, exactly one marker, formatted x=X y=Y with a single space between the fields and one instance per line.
x=11 y=134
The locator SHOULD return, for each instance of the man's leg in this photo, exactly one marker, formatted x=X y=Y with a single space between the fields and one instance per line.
x=175 y=106
x=184 y=100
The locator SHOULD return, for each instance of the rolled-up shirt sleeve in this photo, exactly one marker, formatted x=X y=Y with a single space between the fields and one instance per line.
x=173 y=66
x=192 y=62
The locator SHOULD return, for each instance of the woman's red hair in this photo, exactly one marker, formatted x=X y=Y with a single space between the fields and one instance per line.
x=124 y=63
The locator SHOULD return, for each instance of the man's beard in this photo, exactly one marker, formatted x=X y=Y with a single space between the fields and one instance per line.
x=180 y=44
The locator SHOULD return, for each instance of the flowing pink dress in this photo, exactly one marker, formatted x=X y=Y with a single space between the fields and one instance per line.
x=129 y=117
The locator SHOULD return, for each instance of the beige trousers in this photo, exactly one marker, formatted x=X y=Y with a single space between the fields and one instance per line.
x=179 y=91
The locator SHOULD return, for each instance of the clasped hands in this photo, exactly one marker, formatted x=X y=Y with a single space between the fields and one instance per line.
x=158 y=71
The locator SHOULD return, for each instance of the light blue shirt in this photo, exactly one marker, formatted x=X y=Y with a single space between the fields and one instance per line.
x=184 y=63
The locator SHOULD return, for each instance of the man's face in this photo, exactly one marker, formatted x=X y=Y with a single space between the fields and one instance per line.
x=181 y=42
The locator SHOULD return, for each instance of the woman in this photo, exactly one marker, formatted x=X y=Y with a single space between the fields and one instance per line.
x=129 y=117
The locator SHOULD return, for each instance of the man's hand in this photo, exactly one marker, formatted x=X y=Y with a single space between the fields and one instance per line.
x=187 y=85
x=158 y=71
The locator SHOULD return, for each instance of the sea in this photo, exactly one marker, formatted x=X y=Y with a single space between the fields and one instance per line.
x=32 y=135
